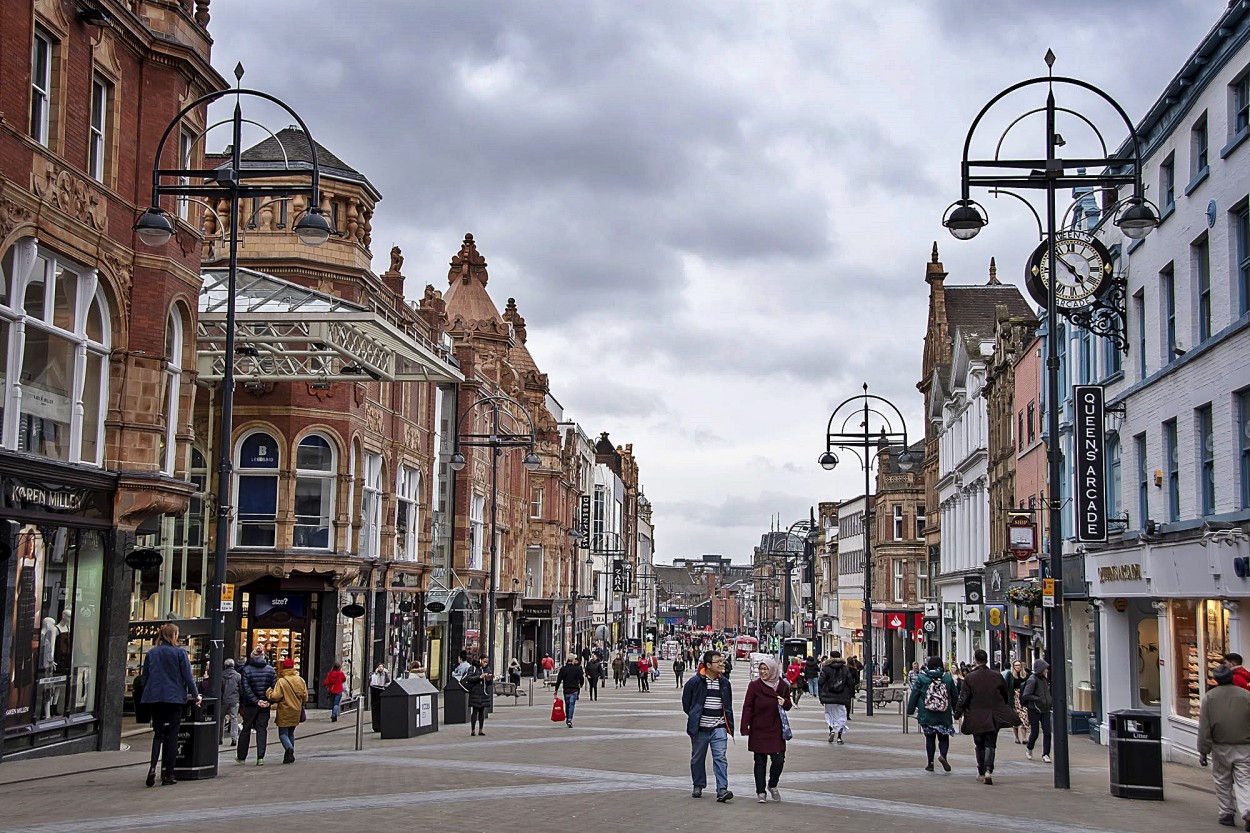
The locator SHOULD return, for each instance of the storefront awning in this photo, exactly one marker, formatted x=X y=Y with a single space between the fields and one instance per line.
x=289 y=333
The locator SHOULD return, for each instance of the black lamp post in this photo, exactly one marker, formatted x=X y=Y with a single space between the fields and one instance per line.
x=499 y=437
x=788 y=558
x=1135 y=216
x=155 y=229
x=865 y=406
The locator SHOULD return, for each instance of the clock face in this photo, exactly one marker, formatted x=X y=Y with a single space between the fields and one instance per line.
x=1083 y=271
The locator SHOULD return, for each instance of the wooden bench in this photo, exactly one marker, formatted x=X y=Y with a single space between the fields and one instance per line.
x=504 y=689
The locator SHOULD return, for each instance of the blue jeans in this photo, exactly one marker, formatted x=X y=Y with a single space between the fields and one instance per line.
x=570 y=703
x=335 y=701
x=813 y=686
x=718 y=740
x=286 y=736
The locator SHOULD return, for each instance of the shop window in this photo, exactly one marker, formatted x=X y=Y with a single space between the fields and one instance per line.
x=1149 y=686
x=56 y=602
x=257 y=487
x=314 y=492
x=477 y=530
x=1200 y=638
x=407 y=526
x=60 y=345
x=371 y=505
x=1081 y=650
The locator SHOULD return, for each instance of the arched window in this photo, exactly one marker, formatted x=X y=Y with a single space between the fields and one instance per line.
x=173 y=383
x=53 y=325
x=371 y=505
x=256 y=484
x=314 y=492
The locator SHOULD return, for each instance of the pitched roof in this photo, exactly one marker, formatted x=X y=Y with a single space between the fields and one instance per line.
x=971 y=308
x=292 y=146
x=466 y=296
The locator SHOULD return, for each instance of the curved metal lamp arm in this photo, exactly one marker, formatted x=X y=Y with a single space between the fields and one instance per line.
x=495 y=401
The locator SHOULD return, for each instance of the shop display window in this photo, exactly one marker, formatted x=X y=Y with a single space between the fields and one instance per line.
x=1149 y=687
x=56 y=599
x=1200 y=640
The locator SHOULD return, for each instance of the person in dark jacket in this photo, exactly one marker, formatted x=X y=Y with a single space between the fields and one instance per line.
x=570 y=680
x=761 y=725
x=835 y=686
x=707 y=700
x=257 y=678
x=594 y=670
x=478 y=683
x=932 y=700
x=679 y=671
x=1036 y=697
x=985 y=706
x=811 y=676
x=167 y=686
x=230 y=702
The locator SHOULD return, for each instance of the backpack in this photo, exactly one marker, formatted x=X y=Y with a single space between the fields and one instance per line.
x=936 y=698
x=837 y=681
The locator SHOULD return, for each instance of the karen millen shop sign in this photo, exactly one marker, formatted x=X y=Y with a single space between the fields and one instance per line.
x=1091 y=485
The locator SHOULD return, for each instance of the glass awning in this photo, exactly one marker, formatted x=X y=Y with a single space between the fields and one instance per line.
x=285 y=332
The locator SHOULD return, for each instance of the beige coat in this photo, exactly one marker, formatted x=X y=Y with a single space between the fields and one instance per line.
x=1224 y=717
x=289 y=694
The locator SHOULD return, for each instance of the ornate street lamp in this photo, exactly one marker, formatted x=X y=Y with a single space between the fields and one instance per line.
x=503 y=434
x=867 y=448
x=1135 y=216
x=154 y=229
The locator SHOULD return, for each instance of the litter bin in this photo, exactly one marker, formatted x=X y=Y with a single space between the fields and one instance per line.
x=375 y=707
x=409 y=708
x=455 y=703
x=1136 y=738
x=197 y=742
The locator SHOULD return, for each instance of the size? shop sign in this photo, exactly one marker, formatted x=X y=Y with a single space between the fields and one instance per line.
x=1091 y=485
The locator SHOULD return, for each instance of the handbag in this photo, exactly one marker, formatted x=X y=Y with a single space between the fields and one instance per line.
x=557 y=710
x=303 y=714
x=786 y=732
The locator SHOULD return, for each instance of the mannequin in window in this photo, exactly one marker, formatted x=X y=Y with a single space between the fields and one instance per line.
x=48 y=634
x=61 y=653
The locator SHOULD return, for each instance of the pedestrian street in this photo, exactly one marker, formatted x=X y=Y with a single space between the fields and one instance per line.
x=623 y=766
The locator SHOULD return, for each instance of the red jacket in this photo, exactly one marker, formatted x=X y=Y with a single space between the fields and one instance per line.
x=548 y=663
x=334 y=681
x=644 y=665
x=1241 y=677
x=794 y=672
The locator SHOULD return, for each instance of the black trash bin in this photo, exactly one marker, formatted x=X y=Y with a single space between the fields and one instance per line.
x=455 y=703
x=409 y=708
x=1136 y=738
x=197 y=742
x=375 y=707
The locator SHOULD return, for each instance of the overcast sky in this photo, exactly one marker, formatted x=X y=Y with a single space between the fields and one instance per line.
x=715 y=216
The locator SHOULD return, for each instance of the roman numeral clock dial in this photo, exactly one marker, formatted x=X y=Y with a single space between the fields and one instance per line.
x=1083 y=271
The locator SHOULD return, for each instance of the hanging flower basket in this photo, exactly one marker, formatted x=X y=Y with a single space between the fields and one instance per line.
x=1029 y=595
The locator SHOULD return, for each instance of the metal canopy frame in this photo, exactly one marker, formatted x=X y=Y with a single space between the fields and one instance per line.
x=290 y=333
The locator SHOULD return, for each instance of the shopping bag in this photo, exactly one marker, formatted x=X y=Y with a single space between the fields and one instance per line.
x=557 y=711
x=786 y=733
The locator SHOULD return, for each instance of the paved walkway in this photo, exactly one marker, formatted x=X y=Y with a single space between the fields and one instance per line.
x=623 y=767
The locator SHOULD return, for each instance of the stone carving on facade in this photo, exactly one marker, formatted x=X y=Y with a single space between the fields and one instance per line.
x=70 y=193
x=120 y=274
x=13 y=215
x=412 y=436
x=467 y=263
x=202 y=16
x=397 y=262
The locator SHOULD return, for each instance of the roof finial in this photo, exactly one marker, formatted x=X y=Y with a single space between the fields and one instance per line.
x=994 y=281
x=935 y=253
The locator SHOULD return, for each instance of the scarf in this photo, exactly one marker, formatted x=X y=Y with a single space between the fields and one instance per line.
x=774 y=672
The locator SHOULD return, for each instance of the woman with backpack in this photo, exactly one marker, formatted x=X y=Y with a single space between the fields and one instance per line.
x=932 y=700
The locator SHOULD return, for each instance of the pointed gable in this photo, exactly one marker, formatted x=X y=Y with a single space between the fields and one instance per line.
x=469 y=306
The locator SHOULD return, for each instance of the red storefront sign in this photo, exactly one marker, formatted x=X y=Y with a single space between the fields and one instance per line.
x=896 y=621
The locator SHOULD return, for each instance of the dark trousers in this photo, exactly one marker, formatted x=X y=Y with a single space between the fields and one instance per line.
x=774 y=774
x=1037 y=721
x=987 y=746
x=477 y=718
x=942 y=742
x=166 y=718
x=254 y=718
x=594 y=687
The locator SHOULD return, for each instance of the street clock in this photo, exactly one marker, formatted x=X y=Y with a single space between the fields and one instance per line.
x=1083 y=271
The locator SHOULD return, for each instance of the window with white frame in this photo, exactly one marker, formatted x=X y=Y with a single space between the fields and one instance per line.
x=315 y=472
x=920 y=522
x=1172 y=458
x=477 y=530
x=536 y=501
x=900 y=578
x=54 y=334
x=97 y=136
x=256 y=483
x=1115 y=499
x=406 y=525
x=1167 y=182
x=173 y=385
x=371 y=505
x=922 y=578
x=898 y=522
x=1200 y=144
x=41 y=63
x=1240 y=104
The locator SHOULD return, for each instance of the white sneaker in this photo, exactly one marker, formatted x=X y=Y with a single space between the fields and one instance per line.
x=1028 y=753
x=775 y=793
x=1045 y=758
x=761 y=798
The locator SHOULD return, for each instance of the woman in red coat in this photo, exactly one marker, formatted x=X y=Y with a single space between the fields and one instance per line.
x=761 y=724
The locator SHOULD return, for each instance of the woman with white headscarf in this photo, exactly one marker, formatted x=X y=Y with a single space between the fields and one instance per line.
x=761 y=725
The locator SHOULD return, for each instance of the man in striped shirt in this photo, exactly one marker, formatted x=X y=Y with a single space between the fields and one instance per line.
x=707 y=700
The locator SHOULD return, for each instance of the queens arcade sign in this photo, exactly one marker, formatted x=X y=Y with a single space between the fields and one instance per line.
x=1091 y=482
